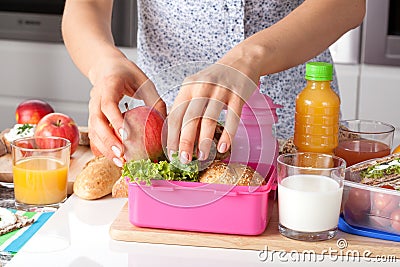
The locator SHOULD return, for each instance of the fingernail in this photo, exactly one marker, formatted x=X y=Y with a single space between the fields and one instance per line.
x=222 y=148
x=200 y=155
x=117 y=162
x=171 y=153
x=184 y=157
x=123 y=134
x=117 y=151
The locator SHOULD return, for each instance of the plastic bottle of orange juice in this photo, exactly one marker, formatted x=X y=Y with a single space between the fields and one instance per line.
x=317 y=111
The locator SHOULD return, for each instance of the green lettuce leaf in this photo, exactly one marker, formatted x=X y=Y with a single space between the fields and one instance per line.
x=144 y=170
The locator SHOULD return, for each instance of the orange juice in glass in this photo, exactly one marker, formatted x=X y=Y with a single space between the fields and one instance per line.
x=40 y=171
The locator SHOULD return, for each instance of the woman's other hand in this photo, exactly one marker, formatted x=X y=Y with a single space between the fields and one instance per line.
x=194 y=115
x=112 y=78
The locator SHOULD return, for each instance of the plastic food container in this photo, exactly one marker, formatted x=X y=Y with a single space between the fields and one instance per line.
x=370 y=207
x=201 y=207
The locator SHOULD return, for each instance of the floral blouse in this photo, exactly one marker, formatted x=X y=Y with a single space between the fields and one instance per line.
x=179 y=38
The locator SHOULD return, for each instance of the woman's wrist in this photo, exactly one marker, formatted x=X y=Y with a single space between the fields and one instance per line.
x=102 y=62
x=250 y=59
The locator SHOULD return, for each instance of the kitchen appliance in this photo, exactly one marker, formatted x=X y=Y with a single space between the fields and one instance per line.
x=380 y=42
x=40 y=20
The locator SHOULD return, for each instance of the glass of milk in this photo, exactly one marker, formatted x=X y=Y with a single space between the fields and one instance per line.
x=310 y=187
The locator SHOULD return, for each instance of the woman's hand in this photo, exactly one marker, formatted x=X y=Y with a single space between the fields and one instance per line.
x=112 y=78
x=194 y=115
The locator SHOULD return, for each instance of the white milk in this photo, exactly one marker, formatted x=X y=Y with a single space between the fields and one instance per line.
x=309 y=203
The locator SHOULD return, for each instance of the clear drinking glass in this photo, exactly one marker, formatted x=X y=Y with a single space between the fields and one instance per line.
x=310 y=187
x=40 y=171
x=361 y=140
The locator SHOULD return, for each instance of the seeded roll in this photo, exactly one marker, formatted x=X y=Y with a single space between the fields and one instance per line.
x=235 y=174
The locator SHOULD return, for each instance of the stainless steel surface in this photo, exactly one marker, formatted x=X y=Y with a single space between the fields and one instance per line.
x=28 y=26
x=379 y=45
x=32 y=24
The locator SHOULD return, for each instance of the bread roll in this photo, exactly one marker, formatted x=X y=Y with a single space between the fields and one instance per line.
x=217 y=135
x=287 y=146
x=5 y=141
x=96 y=179
x=219 y=173
x=83 y=136
x=120 y=188
x=235 y=174
x=3 y=147
x=247 y=175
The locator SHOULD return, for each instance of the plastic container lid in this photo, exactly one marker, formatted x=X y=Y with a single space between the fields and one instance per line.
x=319 y=71
x=345 y=227
x=259 y=101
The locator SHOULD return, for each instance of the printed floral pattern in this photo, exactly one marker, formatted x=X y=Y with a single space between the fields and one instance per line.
x=172 y=33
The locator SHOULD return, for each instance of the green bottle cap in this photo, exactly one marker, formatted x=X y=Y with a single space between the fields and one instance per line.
x=319 y=71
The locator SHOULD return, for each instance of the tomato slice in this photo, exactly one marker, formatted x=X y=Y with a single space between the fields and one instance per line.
x=388 y=186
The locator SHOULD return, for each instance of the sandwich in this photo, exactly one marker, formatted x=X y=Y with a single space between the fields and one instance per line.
x=379 y=172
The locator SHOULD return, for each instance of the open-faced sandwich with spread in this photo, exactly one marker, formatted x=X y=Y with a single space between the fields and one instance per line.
x=379 y=172
x=10 y=221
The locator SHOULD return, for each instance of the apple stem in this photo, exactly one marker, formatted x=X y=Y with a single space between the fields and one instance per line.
x=59 y=123
x=126 y=106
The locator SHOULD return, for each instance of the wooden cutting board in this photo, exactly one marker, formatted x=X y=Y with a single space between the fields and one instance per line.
x=121 y=229
x=78 y=160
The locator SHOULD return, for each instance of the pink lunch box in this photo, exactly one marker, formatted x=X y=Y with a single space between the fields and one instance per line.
x=201 y=207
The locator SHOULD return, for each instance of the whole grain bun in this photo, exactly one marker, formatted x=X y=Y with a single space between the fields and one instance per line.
x=5 y=144
x=287 y=146
x=247 y=175
x=96 y=179
x=217 y=135
x=235 y=174
x=120 y=188
x=83 y=136
x=3 y=147
x=219 y=173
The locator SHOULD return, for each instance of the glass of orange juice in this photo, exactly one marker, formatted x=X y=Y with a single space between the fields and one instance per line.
x=361 y=140
x=40 y=171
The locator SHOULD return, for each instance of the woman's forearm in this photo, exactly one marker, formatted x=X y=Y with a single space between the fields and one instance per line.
x=300 y=36
x=87 y=33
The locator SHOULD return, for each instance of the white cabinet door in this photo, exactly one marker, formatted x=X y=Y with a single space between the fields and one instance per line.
x=348 y=76
x=380 y=95
x=44 y=71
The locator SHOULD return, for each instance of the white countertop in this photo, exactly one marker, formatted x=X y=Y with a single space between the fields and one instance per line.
x=78 y=235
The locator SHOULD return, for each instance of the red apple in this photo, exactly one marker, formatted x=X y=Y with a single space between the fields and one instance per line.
x=144 y=126
x=31 y=111
x=61 y=125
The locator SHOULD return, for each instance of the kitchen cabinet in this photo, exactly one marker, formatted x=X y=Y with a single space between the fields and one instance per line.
x=370 y=92
x=348 y=76
x=44 y=71
x=379 y=95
